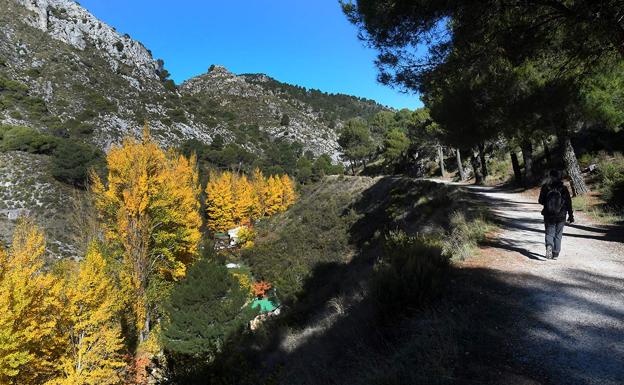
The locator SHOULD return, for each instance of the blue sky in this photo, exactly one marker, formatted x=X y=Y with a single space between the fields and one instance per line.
x=304 y=42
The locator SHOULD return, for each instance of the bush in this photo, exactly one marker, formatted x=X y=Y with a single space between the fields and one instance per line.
x=611 y=176
x=177 y=115
x=246 y=237
x=499 y=168
x=463 y=235
x=72 y=162
x=411 y=272
x=16 y=138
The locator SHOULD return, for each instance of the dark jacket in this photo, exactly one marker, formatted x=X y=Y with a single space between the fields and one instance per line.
x=567 y=201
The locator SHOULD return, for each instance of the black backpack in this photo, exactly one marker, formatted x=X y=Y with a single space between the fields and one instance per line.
x=554 y=202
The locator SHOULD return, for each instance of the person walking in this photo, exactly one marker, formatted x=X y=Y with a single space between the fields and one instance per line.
x=555 y=198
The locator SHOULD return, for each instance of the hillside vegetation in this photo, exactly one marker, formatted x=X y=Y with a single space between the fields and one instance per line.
x=355 y=257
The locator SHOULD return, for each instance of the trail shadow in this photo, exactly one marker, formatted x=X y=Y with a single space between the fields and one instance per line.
x=612 y=233
x=510 y=246
x=486 y=327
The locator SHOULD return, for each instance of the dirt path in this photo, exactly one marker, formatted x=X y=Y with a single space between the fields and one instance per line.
x=569 y=325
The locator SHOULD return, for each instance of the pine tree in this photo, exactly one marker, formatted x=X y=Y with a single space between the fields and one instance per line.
x=30 y=342
x=289 y=196
x=243 y=200
x=220 y=202
x=150 y=211
x=92 y=328
x=199 y=315
x=273 y=195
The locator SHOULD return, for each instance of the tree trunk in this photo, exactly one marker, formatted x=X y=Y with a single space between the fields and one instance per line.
x=441 y=160
x=546 y=151
x=516 y=167
x=527 y=156
x=460 y=168
x=574 y=171
x=484 y=169
x=476 y=166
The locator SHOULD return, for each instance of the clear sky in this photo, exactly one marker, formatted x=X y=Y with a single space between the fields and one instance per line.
x=304 y=42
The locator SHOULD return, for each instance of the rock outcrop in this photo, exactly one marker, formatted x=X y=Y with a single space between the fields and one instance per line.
x=66 y=21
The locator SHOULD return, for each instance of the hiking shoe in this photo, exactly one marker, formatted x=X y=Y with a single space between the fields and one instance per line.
x=549 y=253
x=555 y=256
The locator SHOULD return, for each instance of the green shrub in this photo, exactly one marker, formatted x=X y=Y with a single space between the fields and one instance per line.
x=177 y=115
x=35 y=106
x=72 y=162
x=33 y=72
x=464 y=235
x=411 y=272
x=27 y=139
x=500 y=169
x=78 y=128
x=611 y=176
x=169 y=85
x=11 y=86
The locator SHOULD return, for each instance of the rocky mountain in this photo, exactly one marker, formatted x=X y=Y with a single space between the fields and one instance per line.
x=71 y=74
x=77 y=76
x=66 y=74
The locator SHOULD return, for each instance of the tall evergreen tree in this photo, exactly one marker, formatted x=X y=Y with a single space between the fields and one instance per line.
x=203 y=310
x=356 y=143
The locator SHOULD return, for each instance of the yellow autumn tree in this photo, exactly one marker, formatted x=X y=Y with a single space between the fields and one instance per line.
x=258 y=182
x=92 y=328
x=30 y=342
x=150 y=210
x=220 y=202
x=273 y=195
x=243 y=200
x=289 y=195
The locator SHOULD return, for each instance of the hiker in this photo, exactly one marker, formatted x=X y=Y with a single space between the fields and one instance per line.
x=556 y=200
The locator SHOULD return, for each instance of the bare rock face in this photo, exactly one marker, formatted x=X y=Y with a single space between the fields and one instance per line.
x=220 y=81
x=68 y=22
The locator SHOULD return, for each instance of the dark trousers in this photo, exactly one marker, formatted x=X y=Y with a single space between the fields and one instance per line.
x=554 y=233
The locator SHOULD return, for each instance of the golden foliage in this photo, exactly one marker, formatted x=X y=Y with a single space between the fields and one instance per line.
x=289 y=195
x=30 y=342
x=234 y=200
x=220 y=202
x=258 y=182
x=273 y=195
x=244 y=281
x=150 y=210
x=246 y=236
x=91 y=326
x=243 y=200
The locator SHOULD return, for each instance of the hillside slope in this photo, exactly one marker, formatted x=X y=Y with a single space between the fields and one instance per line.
x=356 y=262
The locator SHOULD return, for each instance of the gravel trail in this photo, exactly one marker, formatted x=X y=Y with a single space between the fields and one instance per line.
x=569 y=325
